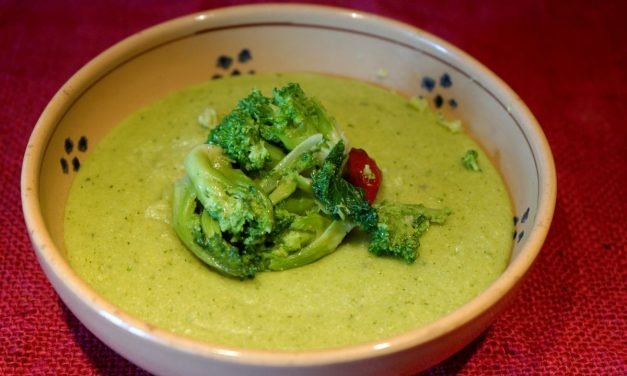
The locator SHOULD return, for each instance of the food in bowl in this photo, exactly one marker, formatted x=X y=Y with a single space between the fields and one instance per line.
x=241 y=40
x=120 y=238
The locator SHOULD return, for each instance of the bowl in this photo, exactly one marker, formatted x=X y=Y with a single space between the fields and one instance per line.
x=248 y=39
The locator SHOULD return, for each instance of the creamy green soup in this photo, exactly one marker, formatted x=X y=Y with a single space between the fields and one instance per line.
x=119 y=237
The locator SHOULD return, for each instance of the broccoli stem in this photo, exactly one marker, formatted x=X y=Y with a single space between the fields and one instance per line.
x=304 y=184
x=298 y=205
x=323 y=245
x=201 y=234
x=275 y=152
x=228 y=195
x=284 y=190
x=288 y=164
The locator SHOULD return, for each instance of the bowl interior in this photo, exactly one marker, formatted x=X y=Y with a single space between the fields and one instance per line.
x=189 y=53
x=174 y=55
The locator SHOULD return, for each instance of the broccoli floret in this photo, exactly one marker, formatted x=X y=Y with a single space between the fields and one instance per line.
x=469 y=160
x=229 y=196
x=299 y=246
x=239 y=132
x=400 y=227
x=201 y=234
x=395 y=228
x=253 y=207
x=298 y=117
x=339 y=198
x=253 y=133
x=302 y=235
x=285 y=177
x=300 y=231
x=267 y=192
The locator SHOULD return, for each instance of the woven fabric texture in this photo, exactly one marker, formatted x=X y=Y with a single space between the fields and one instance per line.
x=568 y=62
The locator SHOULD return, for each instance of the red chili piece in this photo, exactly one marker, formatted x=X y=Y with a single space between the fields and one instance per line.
x=363 y=172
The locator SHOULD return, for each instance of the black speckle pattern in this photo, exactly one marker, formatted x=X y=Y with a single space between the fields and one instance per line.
x=438 y=101
x=445 y=81
x=76 y=164
x=82 y=144
x=244 y=55
x=72 y=162
x=68 y=145
x=224 y=62
x=428 y=83
x=519 y=221
x=64 y=166
x=520 y=236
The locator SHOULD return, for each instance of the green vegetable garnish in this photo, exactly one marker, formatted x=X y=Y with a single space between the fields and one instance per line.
x=469 y=160
x=400 y=227
x=267 y=192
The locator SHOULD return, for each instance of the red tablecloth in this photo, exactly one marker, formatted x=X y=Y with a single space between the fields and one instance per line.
x=568 y=62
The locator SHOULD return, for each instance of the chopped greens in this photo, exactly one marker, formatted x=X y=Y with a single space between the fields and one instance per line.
x=470 y=160
x=267 y=191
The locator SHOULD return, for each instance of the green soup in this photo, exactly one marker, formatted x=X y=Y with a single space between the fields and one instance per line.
x=119 y=237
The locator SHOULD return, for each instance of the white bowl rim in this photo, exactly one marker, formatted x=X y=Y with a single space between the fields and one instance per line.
x=49 y=255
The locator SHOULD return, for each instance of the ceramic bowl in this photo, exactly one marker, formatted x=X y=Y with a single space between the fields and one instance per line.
x=248 y=39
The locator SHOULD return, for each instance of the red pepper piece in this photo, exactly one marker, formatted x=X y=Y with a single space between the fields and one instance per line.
x=363 y=172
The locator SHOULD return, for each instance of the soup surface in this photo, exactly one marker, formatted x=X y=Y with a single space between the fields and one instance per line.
x=119 y=237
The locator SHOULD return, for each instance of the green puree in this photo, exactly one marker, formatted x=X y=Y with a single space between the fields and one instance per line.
x=119 y=238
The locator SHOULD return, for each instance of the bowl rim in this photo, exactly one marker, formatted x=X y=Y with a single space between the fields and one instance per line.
x=49 y=256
